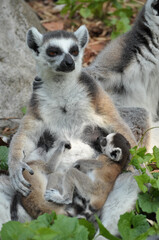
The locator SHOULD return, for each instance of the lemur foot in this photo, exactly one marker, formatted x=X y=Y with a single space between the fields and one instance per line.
x=53 y=195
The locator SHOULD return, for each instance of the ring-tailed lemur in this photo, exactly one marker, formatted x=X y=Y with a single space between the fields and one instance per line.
x=44 y=164
x=93 y=179
x=128 y=68
x=64 y=103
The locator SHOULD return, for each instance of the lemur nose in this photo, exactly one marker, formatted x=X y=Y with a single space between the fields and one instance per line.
x=68 y=60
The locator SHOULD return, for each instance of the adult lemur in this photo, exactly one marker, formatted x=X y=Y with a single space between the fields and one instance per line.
x=65 y=103
x=93 y=179
x=128 y=68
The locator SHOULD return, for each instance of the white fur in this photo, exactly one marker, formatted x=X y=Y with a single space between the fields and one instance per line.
x=6 y=195
x=69 y=94
x=122 y=199
x=47 y=65
x=80 y=32
x=109 y=148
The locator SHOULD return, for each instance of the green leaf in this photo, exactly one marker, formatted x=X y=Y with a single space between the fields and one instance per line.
x=69 y=228
x=132 y=226
x=133 y=150
x=4 y=157
x=157 y=216
x=141 y=181
x=43 y=221
x=104 y=232
x=155 y=175
x=156 y=155
x=137 y=206
x=85 y=12
x=46 y=227
x=149 y=202
x=15 y=231
x=143 y=236
x=24 y=110
x=45 y=234
x=89 y=226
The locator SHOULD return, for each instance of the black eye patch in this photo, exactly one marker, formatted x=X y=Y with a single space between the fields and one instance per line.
x=103 y=142
x=53 y=51
x=74 y=50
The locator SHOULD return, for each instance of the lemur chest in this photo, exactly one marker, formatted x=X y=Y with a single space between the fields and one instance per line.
x=68 y=111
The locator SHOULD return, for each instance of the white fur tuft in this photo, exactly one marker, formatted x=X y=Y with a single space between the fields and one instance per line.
x=35 y=35
x=82 y=35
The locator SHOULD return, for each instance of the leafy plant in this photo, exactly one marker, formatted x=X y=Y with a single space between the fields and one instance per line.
x=46 y=227
x=3 y=157
x=24 y=110
x=118 y=18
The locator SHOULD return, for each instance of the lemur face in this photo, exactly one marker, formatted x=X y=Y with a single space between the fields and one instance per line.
x=115 y=146
x=58 y=51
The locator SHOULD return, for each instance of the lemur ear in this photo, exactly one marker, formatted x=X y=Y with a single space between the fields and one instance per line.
x=34 y=39
x=82 y=35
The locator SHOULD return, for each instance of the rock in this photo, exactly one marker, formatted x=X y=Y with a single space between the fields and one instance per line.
x=17 y=67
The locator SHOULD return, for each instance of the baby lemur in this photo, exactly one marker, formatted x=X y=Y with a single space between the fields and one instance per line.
x=93 y=179
x=65 y=103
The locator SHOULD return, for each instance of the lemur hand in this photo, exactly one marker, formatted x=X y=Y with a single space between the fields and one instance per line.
x=18 y=181
x=53 y=195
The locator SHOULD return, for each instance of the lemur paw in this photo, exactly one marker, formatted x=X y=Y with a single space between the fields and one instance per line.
x=53 y=195
x=50 y=194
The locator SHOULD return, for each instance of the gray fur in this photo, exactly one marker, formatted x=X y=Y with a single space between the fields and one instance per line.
x=128 y=67
x=138 y=121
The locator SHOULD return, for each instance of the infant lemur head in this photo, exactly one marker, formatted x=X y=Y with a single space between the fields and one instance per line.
x=58 y=51
x=115 y=146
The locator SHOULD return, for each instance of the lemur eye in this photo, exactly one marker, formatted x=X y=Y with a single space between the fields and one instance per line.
x=74 y=51
x=53 y=51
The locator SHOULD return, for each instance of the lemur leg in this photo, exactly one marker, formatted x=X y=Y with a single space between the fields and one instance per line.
x=54 y=186
x=35 y=203
x=103 y=105
x=73 y=178
x=95 y=192
x=87 y=165
x=22 y=144
x=54 y=155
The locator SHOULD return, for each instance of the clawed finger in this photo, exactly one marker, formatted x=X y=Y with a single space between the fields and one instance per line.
x=14 y=184
x=22 y=180
x=20 y=187
x=26 y=167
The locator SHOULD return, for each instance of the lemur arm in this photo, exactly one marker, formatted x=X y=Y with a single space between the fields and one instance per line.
x=104 y=105
x=22 y=144
x=85 y=165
